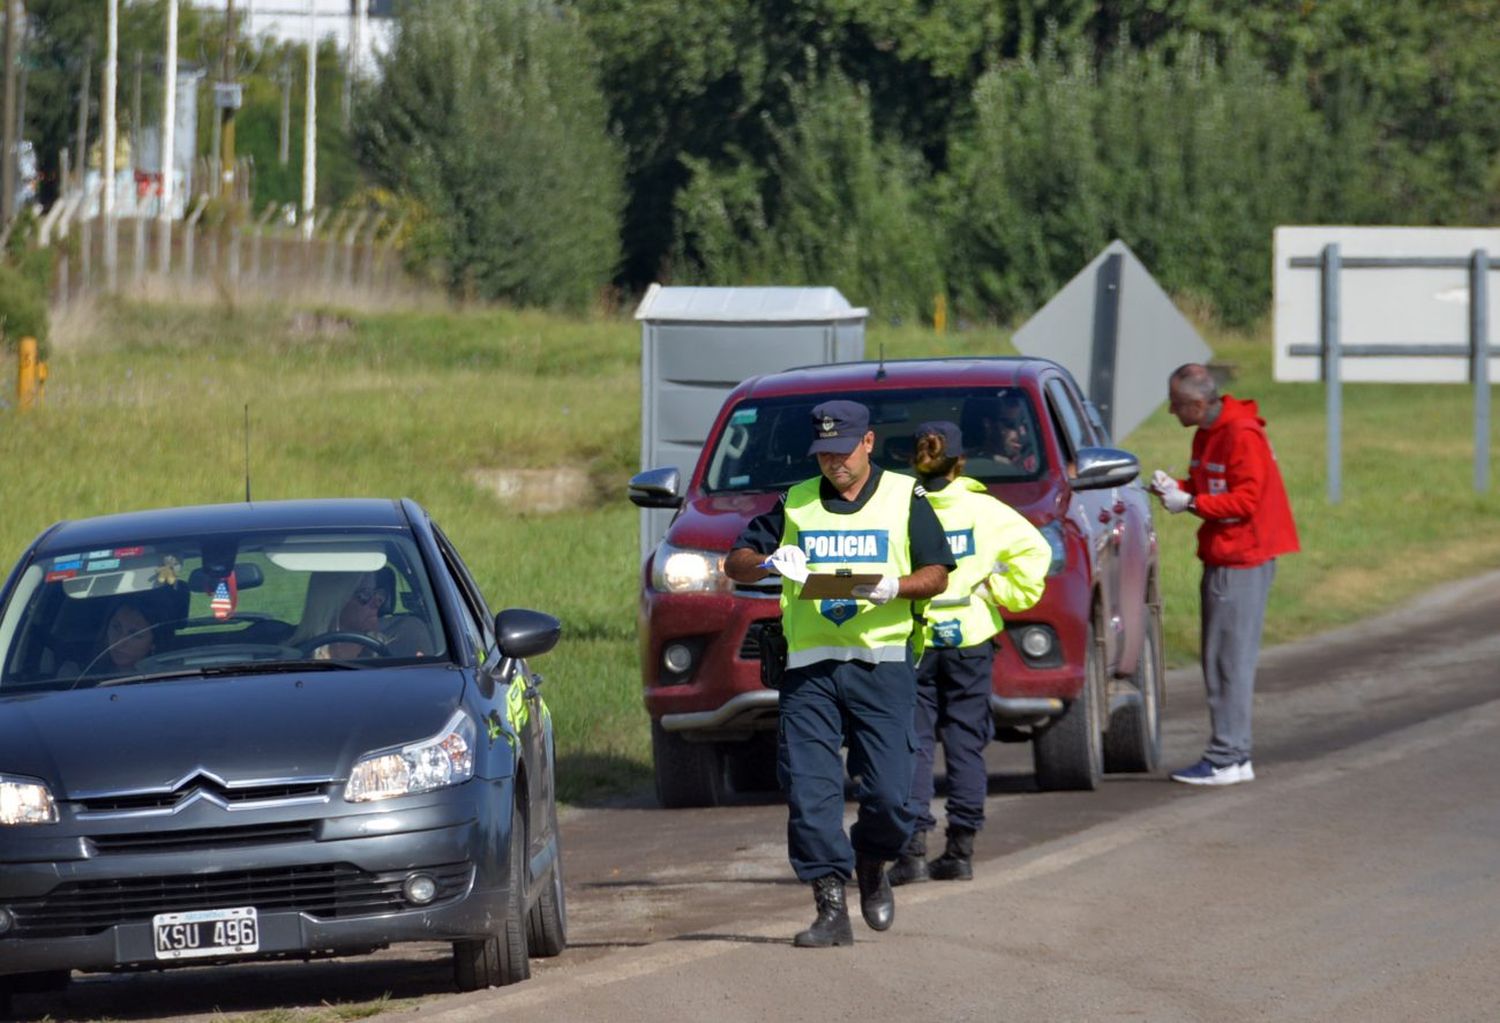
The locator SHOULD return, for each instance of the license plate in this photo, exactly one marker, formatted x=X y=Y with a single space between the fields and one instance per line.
x=206 y=932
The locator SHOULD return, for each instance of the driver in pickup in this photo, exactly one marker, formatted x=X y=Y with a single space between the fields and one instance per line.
x=350 y=603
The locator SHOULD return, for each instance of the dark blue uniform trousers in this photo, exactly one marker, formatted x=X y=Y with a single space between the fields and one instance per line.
x=953 y=703
x=822 y=706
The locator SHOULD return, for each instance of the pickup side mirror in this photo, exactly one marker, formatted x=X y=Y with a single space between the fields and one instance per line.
x=524 y=633
x=656 y=488
x=1102 y=468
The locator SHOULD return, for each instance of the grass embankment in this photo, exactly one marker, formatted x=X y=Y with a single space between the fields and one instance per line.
x=145 y=408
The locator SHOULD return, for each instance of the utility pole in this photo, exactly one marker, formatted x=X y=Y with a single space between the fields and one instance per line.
x=81 y=155
x=135 y=113
x=12 y=108
x=169 y=140
x=284 y=79
x=111 y=70
x=228 y=97
x=310 y=127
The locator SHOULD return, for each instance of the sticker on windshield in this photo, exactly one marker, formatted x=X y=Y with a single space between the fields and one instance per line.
x=102 y=564
x=739 y=481
x=742 y=416
x=57 y=576
x=66 y=562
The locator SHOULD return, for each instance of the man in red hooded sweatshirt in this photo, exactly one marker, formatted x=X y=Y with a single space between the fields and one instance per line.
x=1234 y=486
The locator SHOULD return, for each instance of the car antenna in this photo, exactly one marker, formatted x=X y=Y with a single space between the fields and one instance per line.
x=247 y=453
x=880 y=370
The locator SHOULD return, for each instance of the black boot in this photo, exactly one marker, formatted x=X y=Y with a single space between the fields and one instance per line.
x=832 y=925
x=877 y=904
x=957 y=861
x=911 y=866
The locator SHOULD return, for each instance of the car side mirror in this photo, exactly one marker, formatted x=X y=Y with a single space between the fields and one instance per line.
x=656 y=488
x=1102 y=468
x=525 y=633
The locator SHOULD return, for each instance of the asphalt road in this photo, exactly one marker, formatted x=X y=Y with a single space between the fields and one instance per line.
x=1355 y=879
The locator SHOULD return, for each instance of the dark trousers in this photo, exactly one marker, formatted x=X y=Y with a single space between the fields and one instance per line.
x=869 y=707
x=953 y=703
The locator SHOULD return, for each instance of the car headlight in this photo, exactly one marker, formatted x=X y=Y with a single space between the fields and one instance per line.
x=25 y=801
x=1053 y=531
x=445 y=759
x=678 y=570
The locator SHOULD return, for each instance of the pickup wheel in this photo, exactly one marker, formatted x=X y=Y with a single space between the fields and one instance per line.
x=1133 y=742
x=687 y=773
x=1068 y=753
x=752 y=763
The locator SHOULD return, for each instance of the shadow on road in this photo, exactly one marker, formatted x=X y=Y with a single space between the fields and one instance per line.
x=248 y=988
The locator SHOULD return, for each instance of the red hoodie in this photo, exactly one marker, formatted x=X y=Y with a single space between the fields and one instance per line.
x=1238 y=491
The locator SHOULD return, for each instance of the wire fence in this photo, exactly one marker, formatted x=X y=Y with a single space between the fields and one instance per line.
x=347 y=255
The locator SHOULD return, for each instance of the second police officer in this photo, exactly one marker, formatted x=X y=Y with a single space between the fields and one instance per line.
x=850 y=675
x=1002 y=559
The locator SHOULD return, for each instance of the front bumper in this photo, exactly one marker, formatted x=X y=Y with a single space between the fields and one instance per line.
x=338 y=891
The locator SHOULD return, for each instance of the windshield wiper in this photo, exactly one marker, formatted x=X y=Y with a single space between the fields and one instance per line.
x=274 y=667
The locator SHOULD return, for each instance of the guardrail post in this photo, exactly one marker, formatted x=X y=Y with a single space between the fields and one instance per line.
x=1479 y=364
x=1328 y=340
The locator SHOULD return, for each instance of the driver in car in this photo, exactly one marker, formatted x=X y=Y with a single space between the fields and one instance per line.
x=350 y=603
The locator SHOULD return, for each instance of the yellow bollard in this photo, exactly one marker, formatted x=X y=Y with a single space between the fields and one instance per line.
x=26 y=382
x=940 y=314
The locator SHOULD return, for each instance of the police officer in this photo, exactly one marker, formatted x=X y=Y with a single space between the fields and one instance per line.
x=1002 y=559
x=849 y=674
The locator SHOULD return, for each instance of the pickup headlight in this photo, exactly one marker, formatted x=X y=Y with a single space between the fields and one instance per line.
x=445 y=759
x=1053 y=531
x=678 y=570
x=25 y=801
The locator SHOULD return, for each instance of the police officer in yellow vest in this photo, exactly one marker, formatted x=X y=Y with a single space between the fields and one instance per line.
x=1002 y=559
x=850 y=675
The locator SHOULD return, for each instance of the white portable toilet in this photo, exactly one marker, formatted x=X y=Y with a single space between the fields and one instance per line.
x=698 y=344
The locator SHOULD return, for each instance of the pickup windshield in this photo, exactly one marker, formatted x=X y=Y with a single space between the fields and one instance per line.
x=763 y=445
x=138 y=610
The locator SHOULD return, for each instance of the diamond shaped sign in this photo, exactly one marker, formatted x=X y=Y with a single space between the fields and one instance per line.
x=1118 y=333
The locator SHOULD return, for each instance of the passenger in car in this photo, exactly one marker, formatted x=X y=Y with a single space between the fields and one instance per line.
x=351 y=602
x=1007 y=433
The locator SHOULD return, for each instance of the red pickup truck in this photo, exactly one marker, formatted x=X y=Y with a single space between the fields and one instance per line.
x=1079 y=675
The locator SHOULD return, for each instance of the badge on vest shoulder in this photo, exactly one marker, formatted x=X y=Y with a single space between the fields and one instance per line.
x=838 y=611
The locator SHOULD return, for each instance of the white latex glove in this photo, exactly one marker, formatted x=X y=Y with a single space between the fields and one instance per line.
x=1176 y=500
x=790 y=562
x=879 y=593
x=1162 y=483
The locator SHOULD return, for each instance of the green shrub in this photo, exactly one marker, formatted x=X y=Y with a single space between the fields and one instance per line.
x=1191 y=162
x=489 y=113
x=23 y=299
x=835 y=205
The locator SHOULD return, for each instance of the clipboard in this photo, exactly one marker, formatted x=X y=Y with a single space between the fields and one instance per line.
x=826 y=586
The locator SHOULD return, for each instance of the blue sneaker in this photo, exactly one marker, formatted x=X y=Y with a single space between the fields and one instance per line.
x=1205 y=773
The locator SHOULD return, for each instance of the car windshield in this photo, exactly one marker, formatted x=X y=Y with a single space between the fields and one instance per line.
x=763 y=446
x=224 y=603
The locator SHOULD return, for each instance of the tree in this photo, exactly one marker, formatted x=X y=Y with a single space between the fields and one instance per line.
x=489 y=113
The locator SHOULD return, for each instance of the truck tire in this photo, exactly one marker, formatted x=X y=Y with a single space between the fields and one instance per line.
x=1068 y=754
x=687 y=773
x=1133 y=742
x=752 y=764
x=499 y=958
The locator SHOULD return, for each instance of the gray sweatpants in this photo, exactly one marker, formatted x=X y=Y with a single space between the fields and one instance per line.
x=1234 y=609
